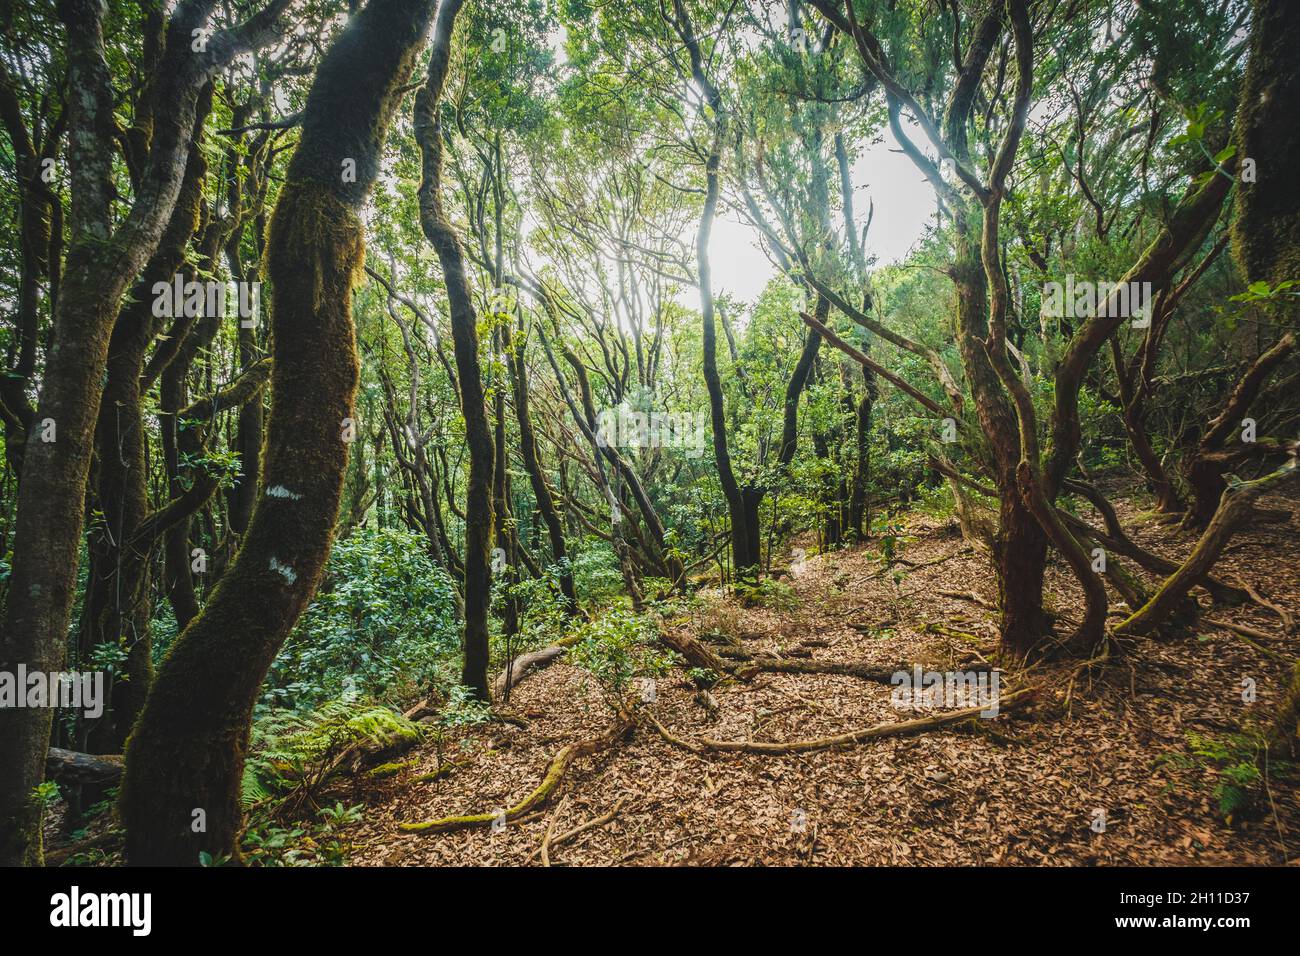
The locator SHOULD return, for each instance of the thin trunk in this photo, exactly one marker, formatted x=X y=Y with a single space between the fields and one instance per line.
x=478 y=432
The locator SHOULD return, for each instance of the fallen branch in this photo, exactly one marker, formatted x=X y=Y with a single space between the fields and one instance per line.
x=1288 y=622
x=60 y=855
x=525 y=664
x=694 y=651
x=69 y=766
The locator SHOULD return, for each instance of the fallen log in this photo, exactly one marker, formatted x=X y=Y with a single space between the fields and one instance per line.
x=57 y=856
x=522 y=666
x=68 y=766
x=694 y=651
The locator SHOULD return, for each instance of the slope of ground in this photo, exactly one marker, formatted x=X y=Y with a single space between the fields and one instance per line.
x=1024 y=788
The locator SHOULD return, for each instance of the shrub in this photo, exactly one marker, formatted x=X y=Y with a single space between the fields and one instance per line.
x=382 y=626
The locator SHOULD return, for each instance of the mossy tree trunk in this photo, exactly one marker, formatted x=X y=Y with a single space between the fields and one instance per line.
x=1222 y=447
x=117 y=602
x=186 y=753
x=102 y=261
x=1234 y=508
x=1266 y=230
x=478 y=431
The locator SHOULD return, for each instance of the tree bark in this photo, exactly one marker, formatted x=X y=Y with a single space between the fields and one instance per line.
x=101 y=262
x=532 y=464
x=478 y=432
x=1236 y=505
x=187 y=750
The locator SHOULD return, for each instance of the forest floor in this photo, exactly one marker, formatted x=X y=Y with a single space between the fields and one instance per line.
x=1119 y=740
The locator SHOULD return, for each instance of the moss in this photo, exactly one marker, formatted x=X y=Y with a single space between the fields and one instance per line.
x=187 y=750
x=391 y=769
x=1266 y=228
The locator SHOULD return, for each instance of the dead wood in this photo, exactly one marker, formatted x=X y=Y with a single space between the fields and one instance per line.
x=70 y=767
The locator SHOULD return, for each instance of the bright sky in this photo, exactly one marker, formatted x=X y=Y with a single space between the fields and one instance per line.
x=904 y=207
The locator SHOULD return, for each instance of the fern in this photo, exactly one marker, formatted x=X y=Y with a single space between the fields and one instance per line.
x=295 y=751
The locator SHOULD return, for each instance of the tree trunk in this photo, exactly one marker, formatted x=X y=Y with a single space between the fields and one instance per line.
x=118 y=600
x=101 y=263
x=187 y=751
x=1266 y=229
x=478 y=432
x=1236 y=505
x=1217 y=450
x=532 y=464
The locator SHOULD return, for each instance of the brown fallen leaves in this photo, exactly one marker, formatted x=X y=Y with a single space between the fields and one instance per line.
x=1024 y=792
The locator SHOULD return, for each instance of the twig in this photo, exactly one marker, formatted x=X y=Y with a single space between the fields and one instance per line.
x=545 y=848
x=1288 y=622
x=591 y=824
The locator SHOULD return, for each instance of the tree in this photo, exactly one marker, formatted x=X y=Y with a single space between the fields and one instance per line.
x=180 y=794
x=101 y=263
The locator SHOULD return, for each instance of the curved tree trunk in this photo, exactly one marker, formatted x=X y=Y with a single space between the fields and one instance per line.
x=101 y=263
x=187 y=751
x=518 y=368
x=1218 y=451
x=1236 y=505
x=478 y=432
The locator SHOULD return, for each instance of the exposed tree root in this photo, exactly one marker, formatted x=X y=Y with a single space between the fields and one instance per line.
x=444 y=770
x=582 y=828
x=555 y=772
x=968 y=596
x=1012 y=701
x=869 y=672
x=545 y=848
x=932 y=627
